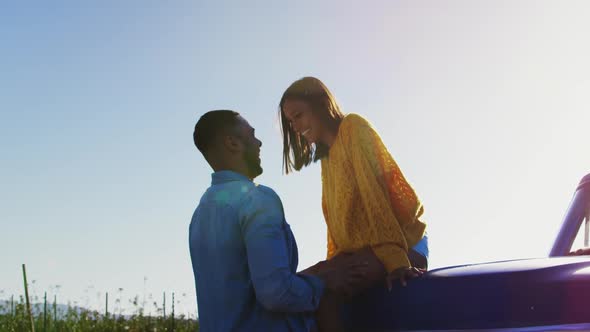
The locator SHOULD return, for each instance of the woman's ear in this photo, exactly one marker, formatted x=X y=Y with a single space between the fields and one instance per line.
x=327 y=105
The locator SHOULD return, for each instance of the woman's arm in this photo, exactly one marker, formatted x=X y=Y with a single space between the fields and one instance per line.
x=331 y=245
x=390 y=204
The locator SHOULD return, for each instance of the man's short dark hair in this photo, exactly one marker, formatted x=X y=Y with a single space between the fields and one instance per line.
x=210 y=125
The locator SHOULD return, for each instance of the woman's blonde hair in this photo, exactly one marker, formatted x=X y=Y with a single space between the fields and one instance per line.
x=297 y=151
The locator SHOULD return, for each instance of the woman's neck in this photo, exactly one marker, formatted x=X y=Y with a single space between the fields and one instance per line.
x=329 y=136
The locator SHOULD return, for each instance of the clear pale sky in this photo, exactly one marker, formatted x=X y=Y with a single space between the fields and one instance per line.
x=484 y=104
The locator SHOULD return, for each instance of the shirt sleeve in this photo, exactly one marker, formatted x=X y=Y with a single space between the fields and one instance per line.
x=277 y=286
x=386 y=212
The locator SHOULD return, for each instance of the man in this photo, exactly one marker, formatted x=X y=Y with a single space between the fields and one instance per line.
x=243 y=252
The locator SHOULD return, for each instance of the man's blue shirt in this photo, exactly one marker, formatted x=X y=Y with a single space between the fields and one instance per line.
x=244 y=259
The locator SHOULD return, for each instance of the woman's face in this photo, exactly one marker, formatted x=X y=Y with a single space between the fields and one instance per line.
x=303 y=120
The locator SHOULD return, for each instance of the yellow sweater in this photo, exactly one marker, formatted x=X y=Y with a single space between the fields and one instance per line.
x=365 y=198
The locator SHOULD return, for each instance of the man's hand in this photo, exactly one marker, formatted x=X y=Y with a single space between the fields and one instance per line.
x=343 y=274
x=403 y=274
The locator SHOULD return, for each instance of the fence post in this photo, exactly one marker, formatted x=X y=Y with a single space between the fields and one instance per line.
x=55 y=308
x=45 y=312
x=27 y=297
x=173 y=323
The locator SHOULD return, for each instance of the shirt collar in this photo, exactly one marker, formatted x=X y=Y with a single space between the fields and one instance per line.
x=227 y=176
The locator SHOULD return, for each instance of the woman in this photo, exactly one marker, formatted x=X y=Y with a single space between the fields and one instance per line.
x=366 y=201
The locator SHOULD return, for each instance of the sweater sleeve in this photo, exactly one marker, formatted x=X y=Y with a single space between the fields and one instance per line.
x=371 y=164
x=331 y=245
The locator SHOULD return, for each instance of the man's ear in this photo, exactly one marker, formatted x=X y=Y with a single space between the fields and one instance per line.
x=232 y=143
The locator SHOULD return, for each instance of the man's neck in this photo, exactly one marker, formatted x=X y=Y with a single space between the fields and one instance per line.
x=239 y=170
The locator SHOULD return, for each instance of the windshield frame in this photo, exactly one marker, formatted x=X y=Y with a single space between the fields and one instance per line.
x=577 y=212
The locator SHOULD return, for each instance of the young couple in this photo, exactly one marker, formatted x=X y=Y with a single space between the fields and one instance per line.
x=243 y=252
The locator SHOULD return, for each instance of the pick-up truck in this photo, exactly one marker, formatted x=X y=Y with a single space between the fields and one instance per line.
x=542 y=294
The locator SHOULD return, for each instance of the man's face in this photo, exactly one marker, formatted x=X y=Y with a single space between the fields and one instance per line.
x=251 y=152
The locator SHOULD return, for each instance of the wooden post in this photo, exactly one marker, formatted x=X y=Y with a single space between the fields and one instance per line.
x=12 y=305
x=106 y=306
x=27 y=298
x=54 y=309
x=164 y=305
x=173 y=327
x=45 y=312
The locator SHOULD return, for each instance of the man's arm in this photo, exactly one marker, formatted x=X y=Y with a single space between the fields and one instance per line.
x=276 y=286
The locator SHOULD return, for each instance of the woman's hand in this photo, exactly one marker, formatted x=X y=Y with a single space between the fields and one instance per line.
x=580 y=252
x=403 y=274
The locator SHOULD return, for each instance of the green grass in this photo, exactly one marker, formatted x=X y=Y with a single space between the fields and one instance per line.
x=17 y=320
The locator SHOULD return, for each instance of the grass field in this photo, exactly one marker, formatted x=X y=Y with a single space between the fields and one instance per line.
x=15 y=318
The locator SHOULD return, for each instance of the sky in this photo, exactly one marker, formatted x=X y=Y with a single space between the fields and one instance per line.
x=483 y=104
